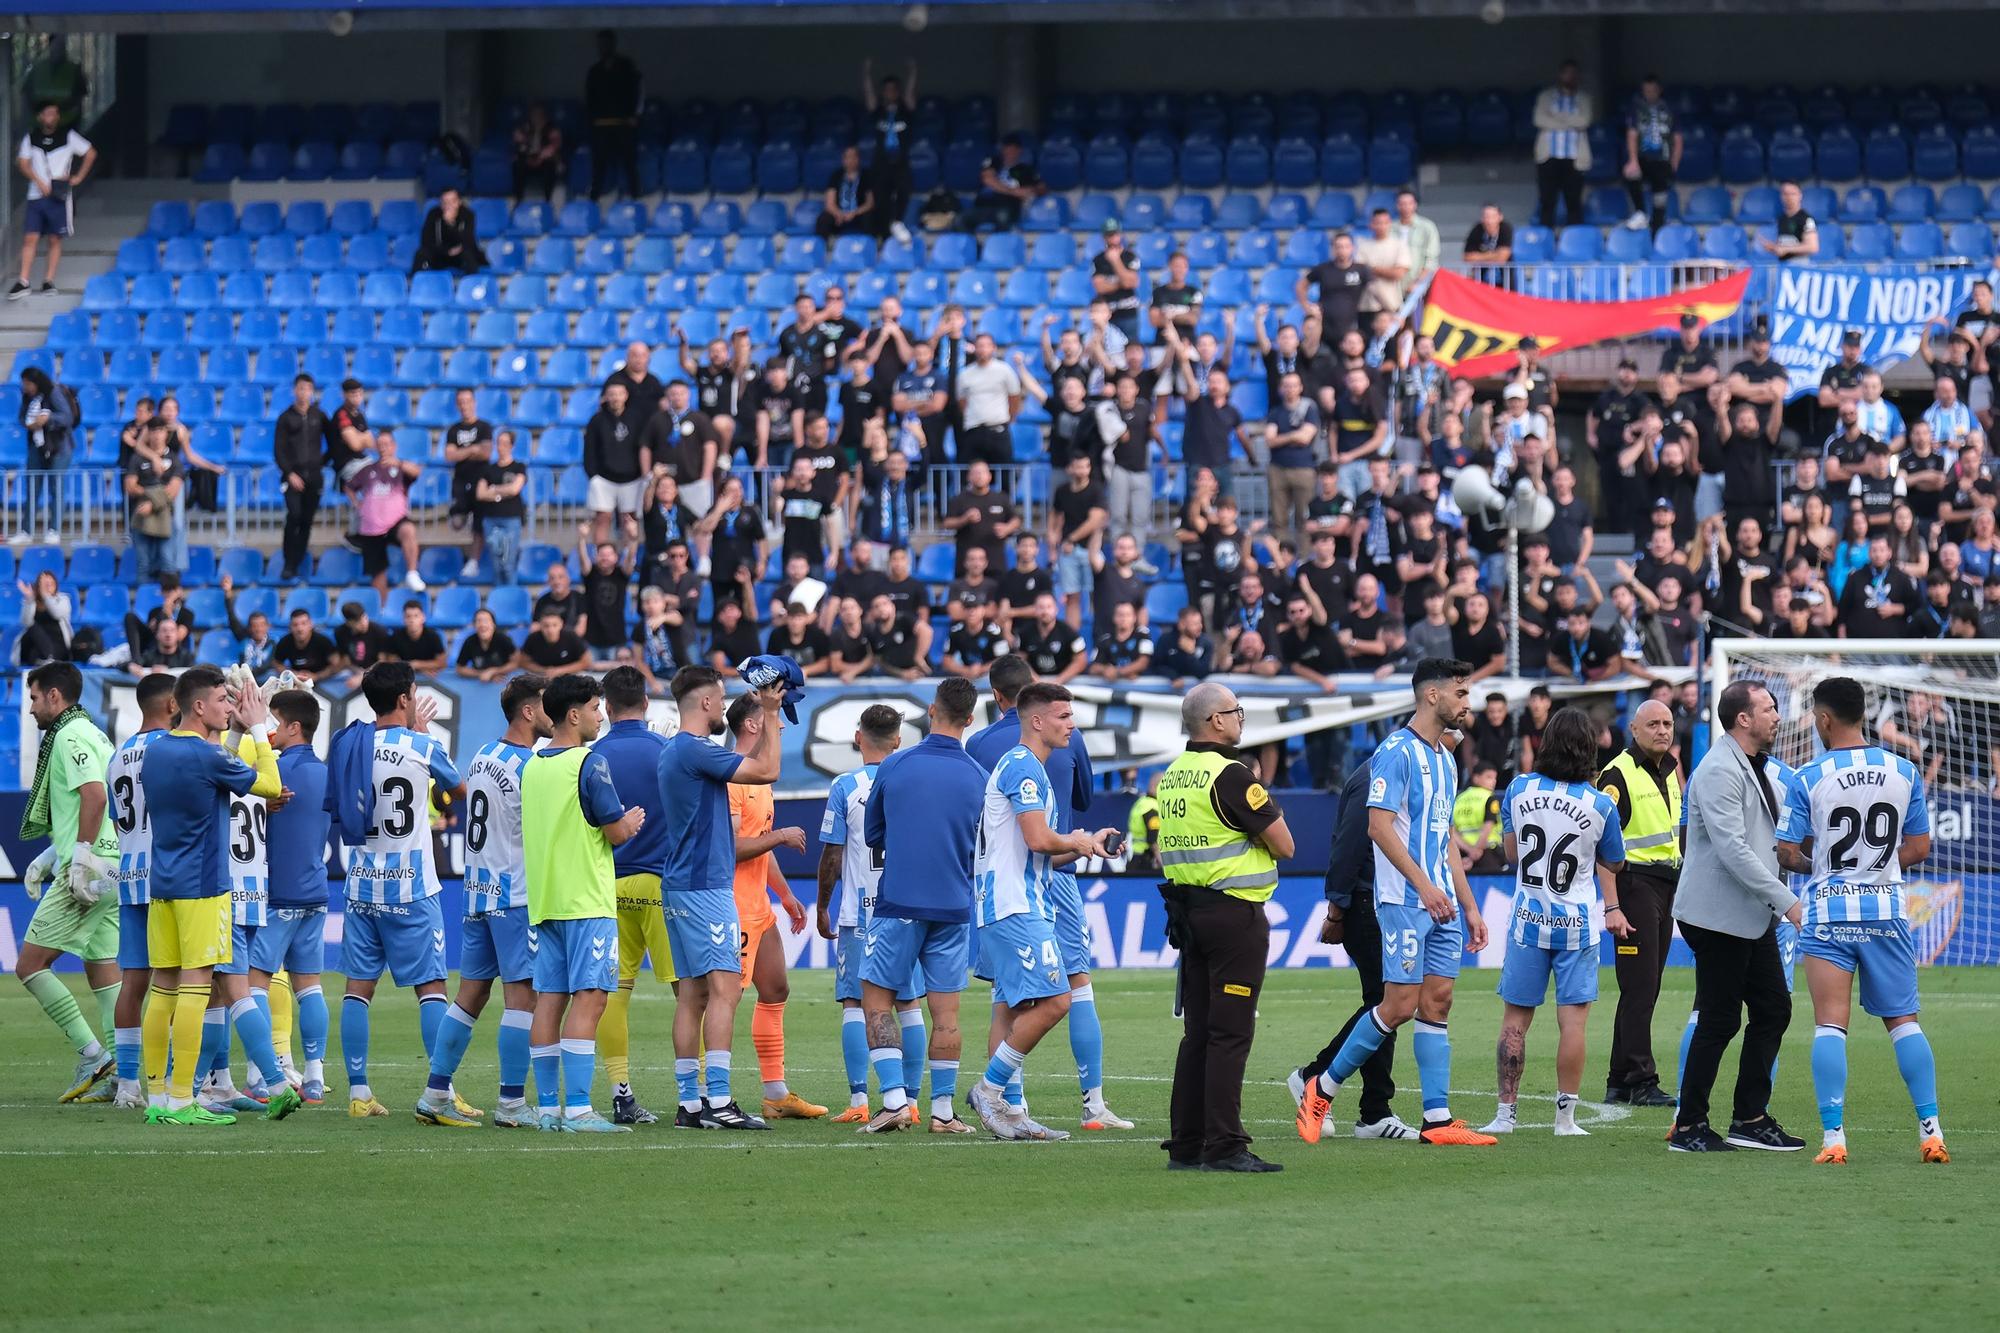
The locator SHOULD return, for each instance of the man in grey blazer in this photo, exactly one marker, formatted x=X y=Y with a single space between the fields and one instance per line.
x=1730 y=898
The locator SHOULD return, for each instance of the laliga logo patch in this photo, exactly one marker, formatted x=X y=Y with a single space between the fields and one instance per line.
x=1031 y=793
x=1378 y=789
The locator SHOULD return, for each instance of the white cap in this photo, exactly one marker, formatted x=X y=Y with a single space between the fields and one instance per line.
x=1515 y=391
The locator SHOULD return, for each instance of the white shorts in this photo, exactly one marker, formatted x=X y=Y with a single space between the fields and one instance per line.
x=615 y=497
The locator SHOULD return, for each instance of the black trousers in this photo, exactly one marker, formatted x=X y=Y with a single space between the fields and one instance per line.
x=1558 y=177
x=1363 y=942
x=1648 y=899
x=1649 y=192
x=609 y=145
x=892 y=193
x=1222 y=969
x=301 y=507
x=994 y=444
x=541 y=177
x=1732 y=974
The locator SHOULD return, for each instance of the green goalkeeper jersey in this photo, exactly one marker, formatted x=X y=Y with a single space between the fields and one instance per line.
x=81 y=756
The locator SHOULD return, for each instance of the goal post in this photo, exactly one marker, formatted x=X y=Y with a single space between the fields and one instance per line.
x=1936 y=702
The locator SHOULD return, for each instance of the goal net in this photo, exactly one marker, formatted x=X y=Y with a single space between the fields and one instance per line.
x=1937 y=703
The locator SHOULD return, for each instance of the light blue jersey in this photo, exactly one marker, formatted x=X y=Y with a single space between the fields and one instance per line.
x=1417 y=782
x=128 y=816
x=1561 y=831
x=496 y=873
x=394 y=864
x=1008 y=879
x=860 y=864
x=1855 y=806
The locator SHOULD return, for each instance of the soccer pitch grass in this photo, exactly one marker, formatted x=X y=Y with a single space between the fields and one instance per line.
x=326 y=1221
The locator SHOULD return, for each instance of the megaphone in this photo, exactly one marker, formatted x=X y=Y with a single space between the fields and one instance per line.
x=1527 y=510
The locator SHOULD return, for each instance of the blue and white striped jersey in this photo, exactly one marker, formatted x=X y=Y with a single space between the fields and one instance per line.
x=860 y=865
x=1949 y=425
x=1856 y=804
x=496 y=868
x=1417 y=782
x=1008 y=879
x=249 y=860
x=128 y=816
x=394 y=864
x=1881 y=419
x=1561 y=831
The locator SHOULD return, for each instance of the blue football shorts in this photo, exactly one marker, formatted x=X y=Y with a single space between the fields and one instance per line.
x=241 y=939
x=497 y=945
x=898 y=951
x=850 y=947
x=405 y=939
x=703 y=932
x=1019 y=953
x=1415 y=947
x=132 y=953
x=1524 y=975
x=292 y=939
x=1880 y=953
x=576 y=955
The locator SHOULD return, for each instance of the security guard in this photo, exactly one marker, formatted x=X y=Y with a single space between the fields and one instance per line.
x=1221 y=838
x=1142 y=829
x=1645 y=783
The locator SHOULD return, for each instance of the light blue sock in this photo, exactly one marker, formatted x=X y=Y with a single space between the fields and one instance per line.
x=313 y=1021
x=430 y=1015
x=547 y=1062
x=1086 y=1040
x=514 y=1057
x=354 y=1039
x=1005 y=1067
x=944 y=1080
x=1362 y=1041
x=1687 y=1040
x=1829 y=1074
x=1918 y=1066
x=687 y=1082
x=888 y=1062
x=916 y=1046
x=716 y=1077
x=253 y=1025
x=1432 y=1043
x=454 y=1034
x=854 y=1050
x=579 y=1071
x=214 y=1044
x=126 y=1042
x=1016 y=1091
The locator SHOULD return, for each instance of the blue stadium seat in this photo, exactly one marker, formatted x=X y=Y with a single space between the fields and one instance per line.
x=418 y=368
x=383 y=289
x=227 y=252
x=454 y=606
x=538 y=408
x=1707 y=204
x=430 y=290
x=351 y=217
x=1741 y=157
x=1789 y=156
x=1885 y=156
x=1911 y=203
x=1838 y=155
x=1970 y=240
x=1390 y=160
x=1960 y=203
x=1237 y=212
x=1626 y=246
x=213 y=218
x=1758 y=205
x=336 y=567
x=1342 y=162
x=1257 y=248
x=513 y=368
x=1980 y=152
x=1580 y=245
x=1863 y=203
x=1919 y=242
x=1726 y=242
x=1247 y=164
x=1870 y=242
x=440 y=328
x=179 y=365
x=1934 y=155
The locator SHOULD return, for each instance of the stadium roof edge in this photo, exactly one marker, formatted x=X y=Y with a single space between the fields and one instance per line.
x=183 y=16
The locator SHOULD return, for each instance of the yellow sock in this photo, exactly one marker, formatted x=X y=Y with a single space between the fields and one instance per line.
x=190 y=1011
x=284 y=1011
x=156 y=1035
x=614 y=1033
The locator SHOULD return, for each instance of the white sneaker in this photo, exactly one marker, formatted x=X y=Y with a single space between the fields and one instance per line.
x=1500 y=1124
x=131 y=1096
x=413 y=581
x=1637 y=222
x=469 y=572
x=992 y=1113
x=1388 y=1127
x=1572 y=1130
x=1103 y=1117
x=51 y=537
x=18 y=539
x=900 y=232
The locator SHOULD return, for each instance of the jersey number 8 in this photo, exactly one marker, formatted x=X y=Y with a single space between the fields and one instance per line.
x=475 y=820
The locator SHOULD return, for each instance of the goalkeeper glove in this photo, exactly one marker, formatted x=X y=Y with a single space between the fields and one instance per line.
x=36 y=877
x=89 y=877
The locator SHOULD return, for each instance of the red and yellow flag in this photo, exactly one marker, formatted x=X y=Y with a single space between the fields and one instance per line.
x=1477 y=327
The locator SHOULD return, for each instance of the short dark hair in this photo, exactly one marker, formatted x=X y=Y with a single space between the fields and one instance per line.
x=153 y=688
x=880 y=723
x=739 y=711
x=297 y=706
x=352 y=611
x=1010 y=675
x=62 y=677
x=1040 y=695
x=1737 y=700
x=567 y=692
x=624 y=688
x=350 y=384
x=956 y=698
x=386 y=683
x=692 y=678
x=520 y=691
x=1568 y=752
x=303 y=378
x=194 y=681
x=1843 y=697
x=1433 y=669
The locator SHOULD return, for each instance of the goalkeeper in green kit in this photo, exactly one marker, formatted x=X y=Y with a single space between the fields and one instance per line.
x=72 y=882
